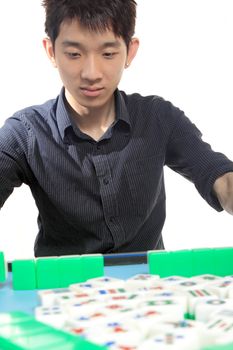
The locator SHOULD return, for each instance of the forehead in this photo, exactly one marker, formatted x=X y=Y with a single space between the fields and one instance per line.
x=73 y=31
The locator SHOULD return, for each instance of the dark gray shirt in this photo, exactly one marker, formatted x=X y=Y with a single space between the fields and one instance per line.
x=106 y=196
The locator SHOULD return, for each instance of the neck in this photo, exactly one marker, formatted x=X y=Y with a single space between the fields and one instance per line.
x=92 y=121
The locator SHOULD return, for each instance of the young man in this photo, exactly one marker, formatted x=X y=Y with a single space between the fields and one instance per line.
x=94 y=157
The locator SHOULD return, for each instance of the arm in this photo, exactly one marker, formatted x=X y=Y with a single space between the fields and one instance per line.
x=223 y=188
x=13 y=160
x=190 y=156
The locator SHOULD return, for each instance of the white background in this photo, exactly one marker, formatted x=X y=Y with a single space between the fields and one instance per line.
x=186 y=56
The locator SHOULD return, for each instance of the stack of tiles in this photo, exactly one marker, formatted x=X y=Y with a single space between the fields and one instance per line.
x=145 y=312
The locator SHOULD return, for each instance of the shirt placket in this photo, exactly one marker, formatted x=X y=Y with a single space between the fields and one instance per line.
x=107 y=193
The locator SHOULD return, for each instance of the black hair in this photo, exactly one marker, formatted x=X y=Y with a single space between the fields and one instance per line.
x=95 y=15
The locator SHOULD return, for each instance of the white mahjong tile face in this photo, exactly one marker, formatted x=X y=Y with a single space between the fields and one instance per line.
x=145 y=317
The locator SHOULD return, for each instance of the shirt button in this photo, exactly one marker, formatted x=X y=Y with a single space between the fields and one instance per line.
x=105 y=181
x=111 y=219
x=98 y=147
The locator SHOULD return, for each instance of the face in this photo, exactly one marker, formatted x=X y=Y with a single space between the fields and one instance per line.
x=90 y=64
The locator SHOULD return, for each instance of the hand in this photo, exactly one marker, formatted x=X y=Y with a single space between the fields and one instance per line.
x=223 y=188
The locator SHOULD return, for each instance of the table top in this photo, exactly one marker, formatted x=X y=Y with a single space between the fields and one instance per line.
x=26 y=301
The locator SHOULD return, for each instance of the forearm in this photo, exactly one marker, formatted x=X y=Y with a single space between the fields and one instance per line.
x=223 y=188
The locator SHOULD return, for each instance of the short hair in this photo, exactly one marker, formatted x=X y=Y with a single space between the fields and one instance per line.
x=95 y=15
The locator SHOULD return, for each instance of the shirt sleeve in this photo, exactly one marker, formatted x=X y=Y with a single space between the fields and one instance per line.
x=13 y=157
x=193 y=158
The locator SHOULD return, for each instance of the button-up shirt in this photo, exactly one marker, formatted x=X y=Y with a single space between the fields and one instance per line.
x=108 y=195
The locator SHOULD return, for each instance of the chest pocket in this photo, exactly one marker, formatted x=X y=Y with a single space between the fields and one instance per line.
x=145 y=181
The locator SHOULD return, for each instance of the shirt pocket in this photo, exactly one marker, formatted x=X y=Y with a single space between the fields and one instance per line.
x=145 y=180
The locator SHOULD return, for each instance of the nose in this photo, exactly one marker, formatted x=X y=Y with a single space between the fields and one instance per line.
x=91 y=69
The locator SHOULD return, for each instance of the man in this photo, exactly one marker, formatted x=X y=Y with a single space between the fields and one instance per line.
x=94 y=157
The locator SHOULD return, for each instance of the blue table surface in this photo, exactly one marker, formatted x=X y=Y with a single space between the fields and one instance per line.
x=26 y=301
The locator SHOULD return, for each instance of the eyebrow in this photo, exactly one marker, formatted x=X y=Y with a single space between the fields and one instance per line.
x=76 y=44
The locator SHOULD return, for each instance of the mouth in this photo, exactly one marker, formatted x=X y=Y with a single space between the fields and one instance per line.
x=91 y=91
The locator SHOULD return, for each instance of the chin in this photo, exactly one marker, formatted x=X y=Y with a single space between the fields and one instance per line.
x=95 y=102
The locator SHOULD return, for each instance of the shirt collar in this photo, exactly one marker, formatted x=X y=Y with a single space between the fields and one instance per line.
x=64 y=121
x=121 y=109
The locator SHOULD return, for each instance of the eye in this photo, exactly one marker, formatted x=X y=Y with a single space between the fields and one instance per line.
x=109 y=55
x=73 y=55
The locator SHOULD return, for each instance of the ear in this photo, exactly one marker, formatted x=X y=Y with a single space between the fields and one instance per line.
x=132 y=51
x=48 y=46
